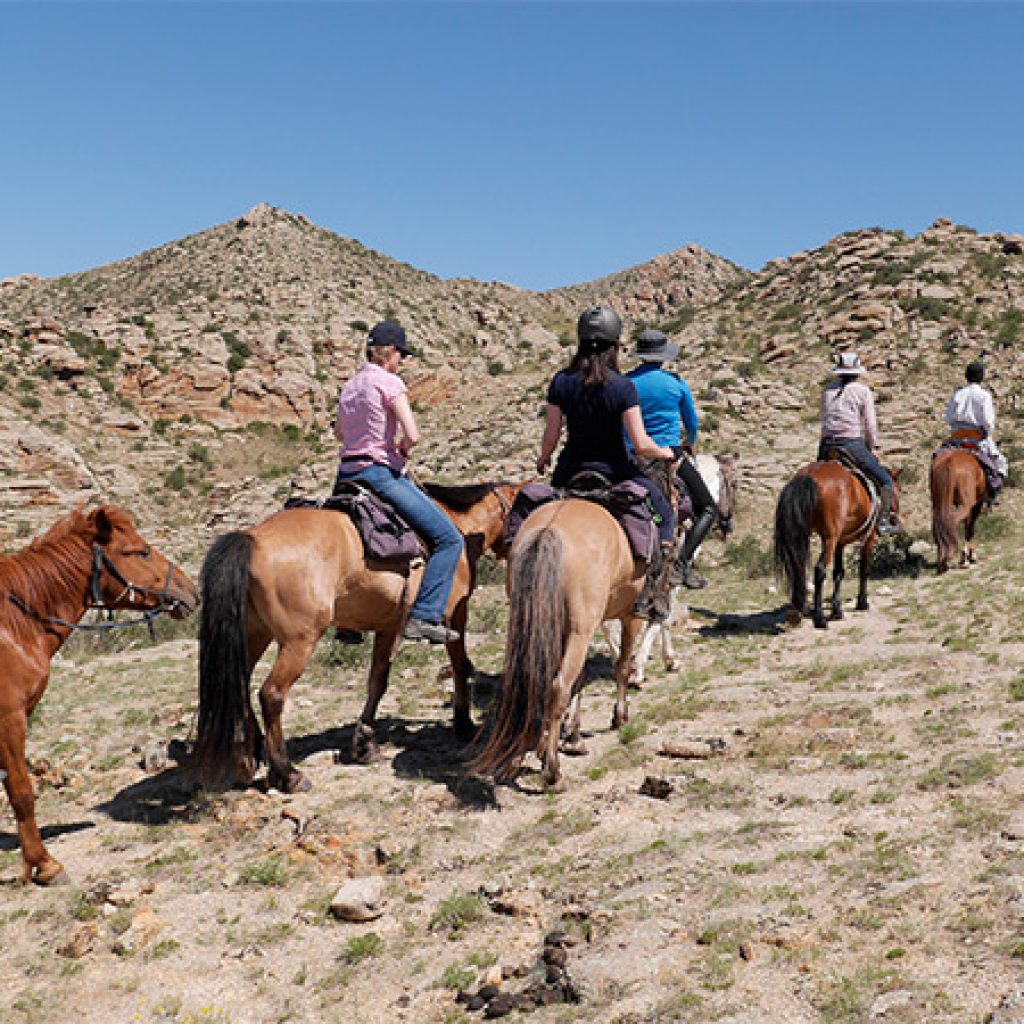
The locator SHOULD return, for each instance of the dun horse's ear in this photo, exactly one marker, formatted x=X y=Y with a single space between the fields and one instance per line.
x=104 y=527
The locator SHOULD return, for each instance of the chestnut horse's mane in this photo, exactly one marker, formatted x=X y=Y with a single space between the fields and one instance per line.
x=51 y=566
x=460 y=497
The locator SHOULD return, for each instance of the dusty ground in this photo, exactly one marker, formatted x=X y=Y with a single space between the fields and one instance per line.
x=855 y=852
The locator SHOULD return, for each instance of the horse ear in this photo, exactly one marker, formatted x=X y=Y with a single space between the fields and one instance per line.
x=104 y=527
x=895 y=473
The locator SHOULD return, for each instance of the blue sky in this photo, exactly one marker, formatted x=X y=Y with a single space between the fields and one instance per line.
x=535 y=143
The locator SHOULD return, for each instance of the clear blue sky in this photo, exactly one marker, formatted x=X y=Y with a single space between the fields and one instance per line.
x=536 y=143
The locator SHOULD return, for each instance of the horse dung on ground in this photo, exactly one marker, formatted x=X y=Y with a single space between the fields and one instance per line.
x=87 y=560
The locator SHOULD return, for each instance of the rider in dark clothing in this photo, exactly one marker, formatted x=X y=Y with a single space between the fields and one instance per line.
x=595 y=403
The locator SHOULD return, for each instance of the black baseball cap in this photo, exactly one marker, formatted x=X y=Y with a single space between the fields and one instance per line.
x=387 y=332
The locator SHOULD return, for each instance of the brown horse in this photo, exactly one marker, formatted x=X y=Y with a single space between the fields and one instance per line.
x=959 y=492
x=87 y=560
x=827 y=499
x=287 y=580
x=570 y=569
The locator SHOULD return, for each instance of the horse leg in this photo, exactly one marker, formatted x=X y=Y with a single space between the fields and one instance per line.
x=668 y=653
x=569 y=671
x=572 y=736
x=862 y=574
x=37 y=864
x=970 y=555
x=462 y=668
x=291 y=661
x=828 y=546
x=630 y=631
x=638 y=661
x=838 y=571
x=364 y=742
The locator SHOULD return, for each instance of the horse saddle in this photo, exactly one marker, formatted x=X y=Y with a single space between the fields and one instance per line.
x=386 y=536
x=627 y=502
x=847 y=461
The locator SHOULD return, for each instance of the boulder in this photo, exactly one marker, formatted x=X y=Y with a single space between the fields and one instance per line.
x=359 y=899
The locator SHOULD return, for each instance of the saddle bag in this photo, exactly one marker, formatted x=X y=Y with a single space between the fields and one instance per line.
x=386 y=536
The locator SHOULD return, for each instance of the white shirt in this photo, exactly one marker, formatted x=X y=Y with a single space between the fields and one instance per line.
x=972 y=405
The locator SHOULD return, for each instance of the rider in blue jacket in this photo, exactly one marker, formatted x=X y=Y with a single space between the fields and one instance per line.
x=666 y=403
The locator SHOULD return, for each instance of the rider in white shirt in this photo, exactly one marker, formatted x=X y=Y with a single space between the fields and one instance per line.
x=971 y=407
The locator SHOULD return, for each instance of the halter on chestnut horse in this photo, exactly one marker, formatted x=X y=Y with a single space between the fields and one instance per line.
x=570 y=569
x=959 y=492
x=827 y=499
x=289 y=579
x=87 y=560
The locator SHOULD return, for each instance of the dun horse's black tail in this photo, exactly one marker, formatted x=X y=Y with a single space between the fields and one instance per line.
x=224 y=700
x=793 y=536
x=537 y=630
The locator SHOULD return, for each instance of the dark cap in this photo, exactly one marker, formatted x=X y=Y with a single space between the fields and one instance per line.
x=975 y=372
x=386 y=333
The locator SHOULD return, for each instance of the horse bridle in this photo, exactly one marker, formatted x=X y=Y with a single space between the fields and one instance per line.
x=94 y=598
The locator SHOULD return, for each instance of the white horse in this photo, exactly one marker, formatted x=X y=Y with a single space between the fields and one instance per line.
x=719 y=474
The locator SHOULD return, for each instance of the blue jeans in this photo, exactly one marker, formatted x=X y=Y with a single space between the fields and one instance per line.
x=424 y=515
x=860 y=454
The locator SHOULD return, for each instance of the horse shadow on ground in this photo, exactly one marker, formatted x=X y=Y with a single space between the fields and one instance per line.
x=9 y=840
x=169 y=796
x=771 y=622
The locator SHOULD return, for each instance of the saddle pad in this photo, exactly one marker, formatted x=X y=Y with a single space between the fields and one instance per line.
x=627 y=502
x=386 y=536
x=989 y=466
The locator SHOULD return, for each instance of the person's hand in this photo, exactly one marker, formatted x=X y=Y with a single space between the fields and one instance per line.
x=667 y=455
x=688 y=449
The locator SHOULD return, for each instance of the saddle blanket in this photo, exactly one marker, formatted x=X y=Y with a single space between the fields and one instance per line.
x=627 y=502
x=385 y=534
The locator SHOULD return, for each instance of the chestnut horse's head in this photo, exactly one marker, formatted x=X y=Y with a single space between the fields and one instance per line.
x=129 y=573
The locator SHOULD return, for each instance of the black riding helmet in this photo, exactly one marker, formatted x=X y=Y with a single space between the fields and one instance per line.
x=975 y=372
x=600 y=325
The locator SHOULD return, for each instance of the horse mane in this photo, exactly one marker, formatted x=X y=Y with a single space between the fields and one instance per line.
x=50 y=567
x=461 y=497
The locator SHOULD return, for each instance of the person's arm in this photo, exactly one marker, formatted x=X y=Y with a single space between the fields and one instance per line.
x=553 y=420
x=988 y=413
x=868 y=420
x=633 y=422
x=406 y=420
x=337 y=424
x=951 y=409
x=688 y=414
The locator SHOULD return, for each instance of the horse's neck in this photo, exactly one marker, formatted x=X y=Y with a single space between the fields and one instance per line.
x=711 y=473
x=49 y=578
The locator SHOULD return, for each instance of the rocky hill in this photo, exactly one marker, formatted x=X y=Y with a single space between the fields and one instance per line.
x=195 y=382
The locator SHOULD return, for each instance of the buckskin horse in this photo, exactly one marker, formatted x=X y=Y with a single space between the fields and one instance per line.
x=827 y=499
x=958 y=492
x=288 y=579
x=87 y=560
x=570 y=569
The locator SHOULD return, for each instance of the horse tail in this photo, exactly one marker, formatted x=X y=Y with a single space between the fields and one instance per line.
x=537 y=629
x=793 y=535
x=225 y=706
x=943 y=513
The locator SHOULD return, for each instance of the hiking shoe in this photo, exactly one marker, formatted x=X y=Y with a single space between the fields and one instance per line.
x=889 y=529
x=689 y=578
x=432 y=632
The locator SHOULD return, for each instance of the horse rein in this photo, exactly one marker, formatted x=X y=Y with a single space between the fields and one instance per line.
x=100 y=562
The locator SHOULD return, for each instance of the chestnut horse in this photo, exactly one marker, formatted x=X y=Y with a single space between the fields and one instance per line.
x=827 y=499
x=289 y=579
x=959 y=492
x=87 y=560
x=570 y=569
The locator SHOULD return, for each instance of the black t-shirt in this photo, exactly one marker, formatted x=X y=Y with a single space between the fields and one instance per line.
x=593 y=419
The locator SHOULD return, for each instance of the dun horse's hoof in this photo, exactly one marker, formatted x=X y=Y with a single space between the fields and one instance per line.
x=862 y=604
x=820 y=622
x=573 y=748
x=293 y=782
x=50 y=873
x=364 y=744
x=838 y=614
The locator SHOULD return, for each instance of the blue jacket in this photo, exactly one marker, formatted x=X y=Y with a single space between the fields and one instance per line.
x=666 y=403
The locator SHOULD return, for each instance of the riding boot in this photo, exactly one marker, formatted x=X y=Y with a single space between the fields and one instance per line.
x=654 y=600
x=683 y=571
x=886 y=527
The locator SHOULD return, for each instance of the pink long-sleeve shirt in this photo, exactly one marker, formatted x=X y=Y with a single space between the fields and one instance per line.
x=848 y=411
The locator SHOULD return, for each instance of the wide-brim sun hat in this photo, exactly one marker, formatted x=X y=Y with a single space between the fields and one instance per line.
x=848 y=365
x=654 y=347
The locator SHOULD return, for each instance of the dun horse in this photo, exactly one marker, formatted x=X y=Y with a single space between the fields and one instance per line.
x=289 y=579
x=827 y=499
x=959 y=492
x=570 y=569
x=87 y=560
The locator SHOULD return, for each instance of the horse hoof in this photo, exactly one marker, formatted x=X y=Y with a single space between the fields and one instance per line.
x=558 y=786
x=51 y=874
x=862 y=606
x=618 y=721
x=671 y=664
x=464 y=728
x=574 y=748
x=794 y=617
x=838 y=614
x=821 y=623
